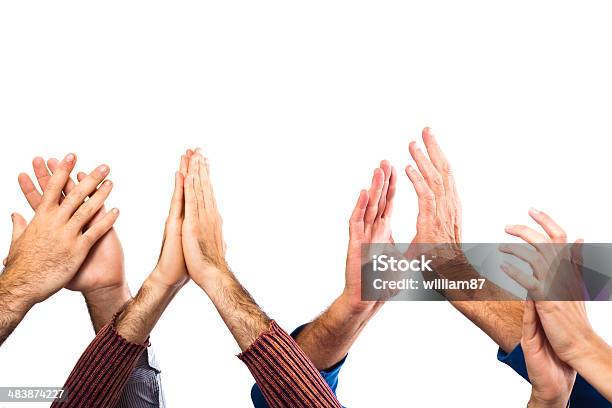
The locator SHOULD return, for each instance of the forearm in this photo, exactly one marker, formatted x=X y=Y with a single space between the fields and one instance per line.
x=328 y=338
x=285 y=375
x=242 y=316
x=495 y=311
x=104 y=303
x=14 y=304
x=139 y=317
x=593 y=361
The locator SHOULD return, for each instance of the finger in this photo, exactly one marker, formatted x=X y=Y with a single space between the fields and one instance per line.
x=429 y=172
x=533 y=258
x=426 y=198
x=191 y=205
x=390 y=194
x=528 y=282
x=19 y=225
x=530 y=320
x=98 y=229
x=41 y=172
x=438 y=160
x=194 y=170
x=531 y=236
x=382 y=203
x=52 y=164
x=375 y=192
x=89 y=208
x=206 y=185
x=176 y=206
x=87 y=186
x=29 y=190
x=356 y=220
x=554 y=231
x=56 y=183
x=183 y=165
x=577 y=257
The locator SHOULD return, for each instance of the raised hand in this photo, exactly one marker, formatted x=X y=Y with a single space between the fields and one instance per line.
x=202 y=230
x=103 y=268
x=551 y=379
x=45 y=255
x=439 y=218
x=169 y=275
x=370 y=223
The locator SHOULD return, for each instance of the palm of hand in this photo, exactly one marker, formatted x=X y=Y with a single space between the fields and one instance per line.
x=549 y=375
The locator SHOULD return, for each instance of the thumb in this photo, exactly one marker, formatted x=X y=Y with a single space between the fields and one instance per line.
x=19 y=225
x=530 y=320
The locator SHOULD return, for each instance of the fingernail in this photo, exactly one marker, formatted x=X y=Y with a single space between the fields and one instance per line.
x=533 y=210
x=103 y=169
x=509 y=226
x=69 y=158
x=107 y=183
x=12 y=215
x=115 y=211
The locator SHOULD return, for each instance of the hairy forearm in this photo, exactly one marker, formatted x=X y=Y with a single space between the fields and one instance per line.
x=14 y=303
x=593 y=361
x=242 y=316
x=495 y=311
x=139 y=317
x=328 y=338
x=103 y=303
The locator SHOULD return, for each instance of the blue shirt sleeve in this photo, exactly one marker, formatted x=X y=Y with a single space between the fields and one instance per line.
x=330 y=376
x=583 y=394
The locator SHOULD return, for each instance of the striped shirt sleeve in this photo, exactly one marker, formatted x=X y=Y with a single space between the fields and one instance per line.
x=143 y=388
x=286 y=376
x=99 y=376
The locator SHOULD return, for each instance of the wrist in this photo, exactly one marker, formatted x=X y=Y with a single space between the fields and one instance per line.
x=346 y=306
x=103 y=303
x=588 y=349
x=117 y=294
x=210 y=277
x=15 y=297
x=537 y=402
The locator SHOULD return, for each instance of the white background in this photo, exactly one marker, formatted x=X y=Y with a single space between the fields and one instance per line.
x=295 y=103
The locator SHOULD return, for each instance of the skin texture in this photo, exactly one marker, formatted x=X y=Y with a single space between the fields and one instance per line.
x=45 y=254
x=565 y=325
x=205 y=258
x=328 y=338
x=439 y=222
x=101 y=278
x=138 y=319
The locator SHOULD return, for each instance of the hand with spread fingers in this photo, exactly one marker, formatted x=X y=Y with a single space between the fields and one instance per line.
x=46 y=253
x=101 y=277
x=439 y=217
x=556 y=266
x=438 y=235
x=561 y=311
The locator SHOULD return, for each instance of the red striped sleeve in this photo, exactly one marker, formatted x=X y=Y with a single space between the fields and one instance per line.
x=285 y=374
x=102 y=371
